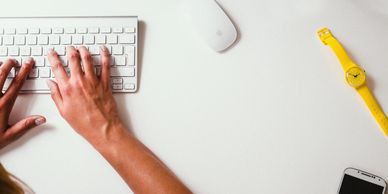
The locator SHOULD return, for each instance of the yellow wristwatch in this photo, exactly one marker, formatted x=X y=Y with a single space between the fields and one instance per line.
x=356 y=77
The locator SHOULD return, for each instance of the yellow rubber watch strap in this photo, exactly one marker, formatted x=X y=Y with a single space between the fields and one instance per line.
x=374 y=107
x=328 y=39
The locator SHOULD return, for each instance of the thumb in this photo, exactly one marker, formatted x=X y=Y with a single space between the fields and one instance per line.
x=20 y=128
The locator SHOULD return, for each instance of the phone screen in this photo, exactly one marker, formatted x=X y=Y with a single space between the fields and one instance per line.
x=353 y=185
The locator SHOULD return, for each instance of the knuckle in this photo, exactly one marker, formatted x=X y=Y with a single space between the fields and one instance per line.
x=73 y=55
x=87 y=56
x=67 y=89
x=2 y=72
x=26 y=124
x=56 y=64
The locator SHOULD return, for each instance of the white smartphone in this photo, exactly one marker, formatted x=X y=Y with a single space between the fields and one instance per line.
x=357 y=181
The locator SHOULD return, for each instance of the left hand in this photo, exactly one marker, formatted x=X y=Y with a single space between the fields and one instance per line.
x=10 y=133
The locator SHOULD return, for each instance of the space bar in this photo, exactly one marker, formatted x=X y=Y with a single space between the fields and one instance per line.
x=32 y=85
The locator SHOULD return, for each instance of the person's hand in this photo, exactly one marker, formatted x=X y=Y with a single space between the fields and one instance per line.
x=84 y=100
x=10 y=133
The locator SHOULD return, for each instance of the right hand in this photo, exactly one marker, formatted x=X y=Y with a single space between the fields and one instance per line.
x=84 y=100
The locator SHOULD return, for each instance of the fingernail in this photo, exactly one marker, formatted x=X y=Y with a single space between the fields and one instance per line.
x=40 y=121
x=51 y=51
x=103 y=48
x=29 y=60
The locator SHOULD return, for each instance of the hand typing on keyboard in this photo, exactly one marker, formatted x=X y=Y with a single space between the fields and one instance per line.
x=84 y=93
x=86 y=102
x=83 y=81
x=10 y=133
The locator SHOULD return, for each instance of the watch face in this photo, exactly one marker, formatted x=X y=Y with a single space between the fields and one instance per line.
x=356 y=77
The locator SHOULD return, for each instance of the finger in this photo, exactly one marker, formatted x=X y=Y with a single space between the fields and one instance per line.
x=55 y=93
x=105 y=71
x=87 y=63
x=74 y=62
x=18 y=81
x=5 y=69
x=21 y=127
x=57 y=67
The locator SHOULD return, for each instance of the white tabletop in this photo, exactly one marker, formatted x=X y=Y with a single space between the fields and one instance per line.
x=271 y=115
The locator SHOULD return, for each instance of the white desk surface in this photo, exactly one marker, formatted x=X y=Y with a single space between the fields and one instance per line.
x=272 y=115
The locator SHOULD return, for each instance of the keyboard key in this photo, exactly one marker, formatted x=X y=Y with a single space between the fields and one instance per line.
x=66 y=40
x=82 y=30
x=37 y=51
x=25 y=51
x=130 y=52
x=122 y=72
x=129 y=30
x=94 y=50
x=117 y=30
x=31 y=40
x=43 y=40
x=46 y=30
x=127 y=39
x=22 y=31
x=89 y=39
x=34 y=31
x=20 y=40
x=39 y=61
x=100 y=39
x=8 y=40
x=117 y=80
x=58 y=31
x=111 y=39
x=93 y=30
x=106 y=30
x=129 y=86
x=77 y=39
x=13 y=51
x=69 y=30
x=10 y=31
x=117 y=86
x=96 y=60
x=3 y=51
x=54 y=39
x=44 y=72
x=119 y=60
x=117 y=50
x=35 y=85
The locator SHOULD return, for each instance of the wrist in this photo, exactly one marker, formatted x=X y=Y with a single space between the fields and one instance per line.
x=111 y=135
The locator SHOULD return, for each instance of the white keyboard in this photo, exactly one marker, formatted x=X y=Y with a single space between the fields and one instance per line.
x=23 y=37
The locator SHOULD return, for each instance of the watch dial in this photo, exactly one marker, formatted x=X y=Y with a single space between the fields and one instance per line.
x=356 y=77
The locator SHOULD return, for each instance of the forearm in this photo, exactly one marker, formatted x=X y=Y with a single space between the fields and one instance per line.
x=137 y=165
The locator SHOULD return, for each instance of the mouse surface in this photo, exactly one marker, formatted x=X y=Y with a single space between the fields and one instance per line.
x=211 y=22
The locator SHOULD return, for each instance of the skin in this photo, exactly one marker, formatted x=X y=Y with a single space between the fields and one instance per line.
x=100 y=124
x=102 y=127
x=10 y=133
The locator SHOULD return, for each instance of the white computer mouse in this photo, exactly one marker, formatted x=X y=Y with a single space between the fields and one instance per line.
x=212 y=23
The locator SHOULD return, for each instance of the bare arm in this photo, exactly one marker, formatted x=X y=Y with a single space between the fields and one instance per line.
x=84 y=93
